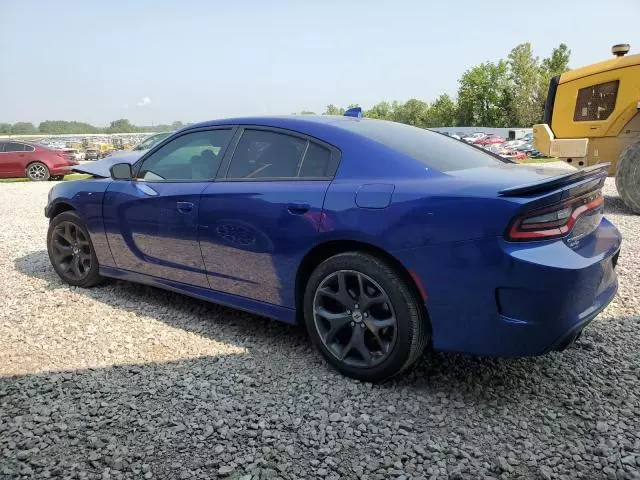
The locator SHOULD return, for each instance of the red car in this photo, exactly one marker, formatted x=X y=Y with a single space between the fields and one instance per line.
x=21 y=159
x=490 y=140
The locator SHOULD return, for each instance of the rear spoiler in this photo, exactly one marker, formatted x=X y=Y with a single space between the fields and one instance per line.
x=550 y=183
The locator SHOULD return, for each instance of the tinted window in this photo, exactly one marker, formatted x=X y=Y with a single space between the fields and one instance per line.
x=434 y=150
x=14 y=147
x=28 y=148
x=194 y=156
x=263 y=154
x=596 y=102
x=2 y=144
x=317 y=162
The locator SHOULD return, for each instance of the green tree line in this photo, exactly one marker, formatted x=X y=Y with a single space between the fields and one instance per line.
x=63 y=127
x=508 y=93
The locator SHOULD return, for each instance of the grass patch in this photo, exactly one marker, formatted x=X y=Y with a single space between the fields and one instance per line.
x=72 y=176
x=538 y=160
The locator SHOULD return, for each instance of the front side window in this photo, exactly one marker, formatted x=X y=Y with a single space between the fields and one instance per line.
x=266 y=154
x=151 y=141
x=194 y=156
x=596 y=102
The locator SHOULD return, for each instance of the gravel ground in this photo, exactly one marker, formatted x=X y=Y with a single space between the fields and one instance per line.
x=126 y=381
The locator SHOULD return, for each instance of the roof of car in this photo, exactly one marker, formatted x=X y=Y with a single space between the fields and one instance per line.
x=277 y=120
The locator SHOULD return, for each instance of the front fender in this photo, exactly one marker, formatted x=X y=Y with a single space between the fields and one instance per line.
x=85 y=198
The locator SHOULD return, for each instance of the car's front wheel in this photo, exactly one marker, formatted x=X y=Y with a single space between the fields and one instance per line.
x=364 y=317
x=38 y=171
x=71 y=251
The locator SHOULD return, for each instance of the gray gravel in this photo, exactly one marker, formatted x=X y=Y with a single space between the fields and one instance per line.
x=126 y=381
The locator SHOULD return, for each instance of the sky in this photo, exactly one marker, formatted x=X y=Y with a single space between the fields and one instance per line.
x=156 y=61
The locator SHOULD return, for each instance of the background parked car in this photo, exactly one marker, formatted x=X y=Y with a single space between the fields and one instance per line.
x=92 y=154
x=488 y=140
x=22 y=159
x=474 y=137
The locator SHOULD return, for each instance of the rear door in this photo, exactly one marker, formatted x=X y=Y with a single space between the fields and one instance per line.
x=262 y=214
x=152 y=220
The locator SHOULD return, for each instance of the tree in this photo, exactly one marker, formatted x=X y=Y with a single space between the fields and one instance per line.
x=381 y=111
x=307 y=112
x=524 y=75
x=413 y=112
x=558 y=62
x=442 y=112
x=333 y=110
x=5 y=128
x=23 y=128
x=121 y=126
x=484 y=96
x=58 y=127
x=177 y=125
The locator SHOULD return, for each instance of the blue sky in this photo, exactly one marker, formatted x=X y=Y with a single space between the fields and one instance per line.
x=155 y=61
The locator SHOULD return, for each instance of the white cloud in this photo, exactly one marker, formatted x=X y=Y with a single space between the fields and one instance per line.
x=144 y=102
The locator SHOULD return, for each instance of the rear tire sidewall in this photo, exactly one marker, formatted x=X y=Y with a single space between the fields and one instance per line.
x=628 y=177
x=408 y=310
x=93 y=278
x=46 y=169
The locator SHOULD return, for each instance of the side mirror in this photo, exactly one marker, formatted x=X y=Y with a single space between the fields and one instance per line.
x=121 y=171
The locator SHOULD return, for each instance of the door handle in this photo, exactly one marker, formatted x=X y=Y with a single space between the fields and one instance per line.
x=185 y=207
x=296 y=208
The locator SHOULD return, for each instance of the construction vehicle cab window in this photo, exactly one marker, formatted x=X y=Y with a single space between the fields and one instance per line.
x=592 y=117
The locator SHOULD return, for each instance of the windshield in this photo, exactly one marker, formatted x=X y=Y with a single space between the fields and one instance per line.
x=433 y=149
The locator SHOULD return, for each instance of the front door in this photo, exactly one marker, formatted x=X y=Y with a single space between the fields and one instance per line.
x=152 y=220
x=263 y=214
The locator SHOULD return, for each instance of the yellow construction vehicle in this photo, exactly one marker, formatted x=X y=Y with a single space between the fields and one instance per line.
x=592 y=115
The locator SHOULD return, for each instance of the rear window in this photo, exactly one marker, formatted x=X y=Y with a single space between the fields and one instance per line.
x=433 y=149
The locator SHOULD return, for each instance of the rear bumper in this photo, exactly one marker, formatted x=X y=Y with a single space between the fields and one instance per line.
x=61 y=170
x=495 y=298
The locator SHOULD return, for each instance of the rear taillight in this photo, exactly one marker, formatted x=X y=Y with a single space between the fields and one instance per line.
x=553 y=222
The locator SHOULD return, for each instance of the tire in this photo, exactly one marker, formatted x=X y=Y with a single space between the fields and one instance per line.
x=628 y=176
x=38 y=172
x=340 y=333
x=71 y=252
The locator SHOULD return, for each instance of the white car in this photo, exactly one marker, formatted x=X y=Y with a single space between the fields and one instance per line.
x=474 y=137
x=514 y=143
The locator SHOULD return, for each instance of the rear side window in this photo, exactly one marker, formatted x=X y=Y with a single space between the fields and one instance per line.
x=14 y=147
x=317 y=162
x=433 y=149
x=596 y=102
x=266 y=154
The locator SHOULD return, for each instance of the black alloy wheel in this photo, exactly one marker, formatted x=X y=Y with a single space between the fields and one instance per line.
x=71 y=251
x=365 y=316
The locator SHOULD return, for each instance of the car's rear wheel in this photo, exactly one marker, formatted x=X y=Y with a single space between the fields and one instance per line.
x=71 y=251
x=364 y=317
x=38 y=172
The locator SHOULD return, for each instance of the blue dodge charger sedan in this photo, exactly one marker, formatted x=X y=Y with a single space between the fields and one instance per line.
x=381 y=238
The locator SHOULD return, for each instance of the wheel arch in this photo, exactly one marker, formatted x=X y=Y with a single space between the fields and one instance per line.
x=59 y=208
x=325 y=250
